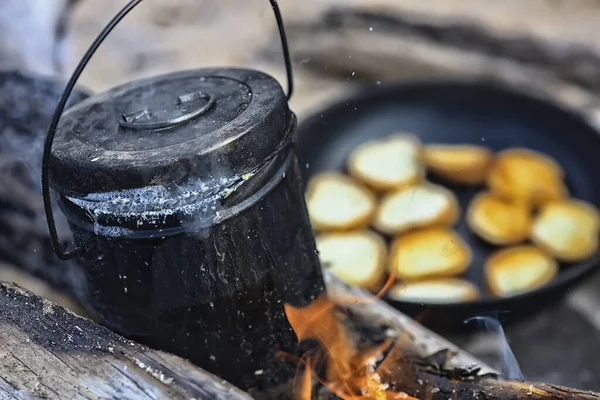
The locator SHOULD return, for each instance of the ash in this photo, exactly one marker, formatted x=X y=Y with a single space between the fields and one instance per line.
x=195 y=198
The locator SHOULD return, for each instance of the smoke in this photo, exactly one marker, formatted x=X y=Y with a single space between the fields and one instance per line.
x=507 y=360
x=22 y=154
x=152 y=204
x=26 y=107
x=33 y=37
x=33 y=34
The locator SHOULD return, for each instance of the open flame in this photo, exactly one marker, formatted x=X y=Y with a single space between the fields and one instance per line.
x=350 y=373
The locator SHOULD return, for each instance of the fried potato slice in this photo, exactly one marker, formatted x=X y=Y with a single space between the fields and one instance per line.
x=519 y=269
x=435 y=291
x=499 y=221
x=568 y=230
x=429 y=253
x=390 y=163
x=338 y=202
x=527 y=176
x=466 y=164
x=358 y=258
x=418 y=206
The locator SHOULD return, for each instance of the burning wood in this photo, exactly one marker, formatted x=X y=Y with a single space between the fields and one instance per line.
x=350 y=371
x=390 y=367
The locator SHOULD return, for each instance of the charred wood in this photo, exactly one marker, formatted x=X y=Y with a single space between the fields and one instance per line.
x=422 y=378
x=49 y=352
x=52 y=353
x=423 y=364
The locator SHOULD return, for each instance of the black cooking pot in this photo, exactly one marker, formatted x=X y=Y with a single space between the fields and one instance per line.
x=186 y=204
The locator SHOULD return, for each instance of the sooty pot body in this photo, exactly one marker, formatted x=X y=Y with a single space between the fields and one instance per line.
x=214 y=295
x=203 y=267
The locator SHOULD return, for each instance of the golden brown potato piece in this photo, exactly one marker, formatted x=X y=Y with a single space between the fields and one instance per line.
x=358 y=258
x=429 y=253
x=498 y=221
x=435 y=291
x=519 y=269
x=467 y=164
x=523 y=175
x=568 y=230
x=337 y=202
x=390 y=163
x=417 y=206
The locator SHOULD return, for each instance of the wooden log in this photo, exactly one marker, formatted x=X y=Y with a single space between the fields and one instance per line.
x=379 y=313
x=48 y=352
x=354 y=54
x=572 y=22
x=511 y=32
x=51 y=353
x=356 y=42
x=425 y=378
x=427 y=366
x=9 y=273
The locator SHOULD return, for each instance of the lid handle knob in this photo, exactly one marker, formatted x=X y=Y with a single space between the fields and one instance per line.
x=61 y=253
x=142 y=119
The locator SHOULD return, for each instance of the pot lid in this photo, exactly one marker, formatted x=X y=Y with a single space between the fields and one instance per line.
x=203 y=123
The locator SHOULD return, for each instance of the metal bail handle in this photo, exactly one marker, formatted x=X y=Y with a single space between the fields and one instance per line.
x=58 y=249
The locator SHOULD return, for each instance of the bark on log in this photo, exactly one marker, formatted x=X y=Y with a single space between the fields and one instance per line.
x=48 y=352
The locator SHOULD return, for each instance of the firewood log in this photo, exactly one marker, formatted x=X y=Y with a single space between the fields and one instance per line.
x=52 y=353
x=519 y=33
x=48 y=352
x=425 y=365
x=383 y=40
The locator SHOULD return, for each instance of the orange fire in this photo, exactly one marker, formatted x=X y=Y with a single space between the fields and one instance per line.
x=350 y=373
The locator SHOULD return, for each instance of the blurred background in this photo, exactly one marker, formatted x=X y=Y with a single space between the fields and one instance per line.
x=549 y=47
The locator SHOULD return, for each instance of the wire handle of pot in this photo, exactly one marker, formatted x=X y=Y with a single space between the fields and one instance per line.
x=62 y=253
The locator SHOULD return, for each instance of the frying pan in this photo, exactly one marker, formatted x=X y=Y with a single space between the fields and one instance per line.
x=463 y=111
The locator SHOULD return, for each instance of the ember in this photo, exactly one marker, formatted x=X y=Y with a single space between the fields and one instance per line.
x=350 y=373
